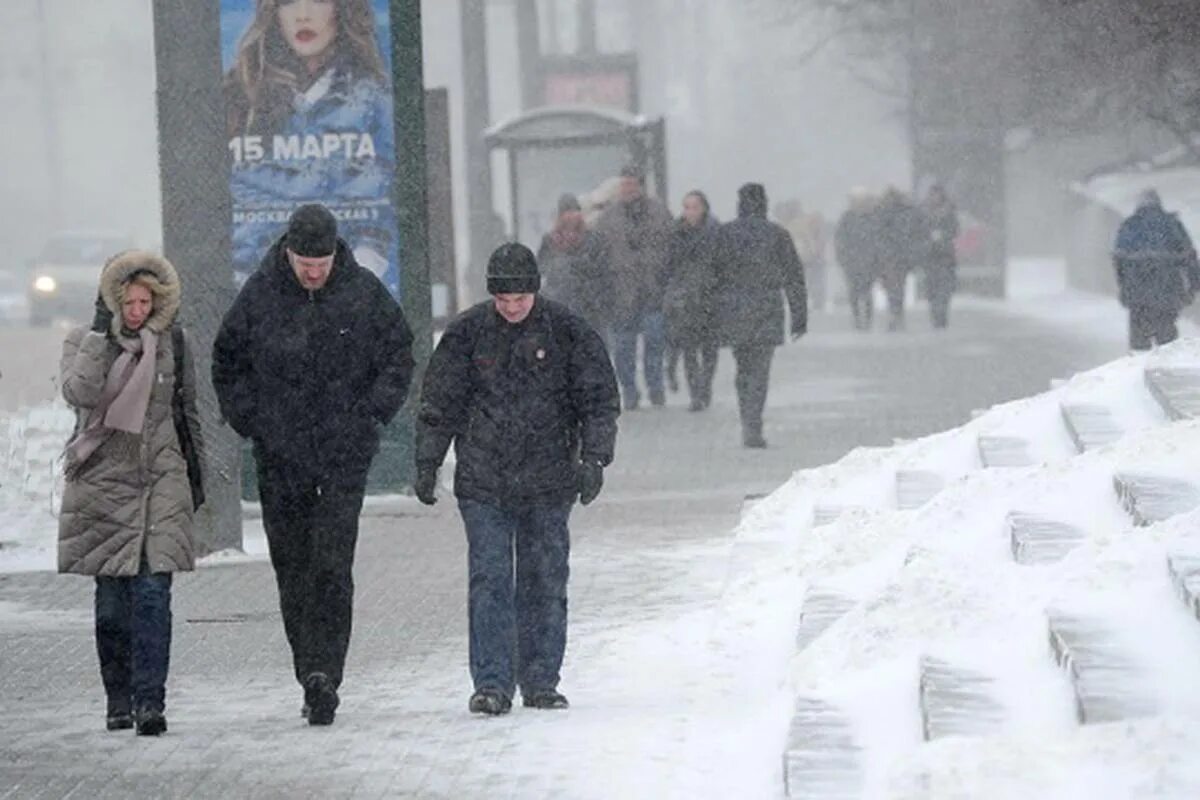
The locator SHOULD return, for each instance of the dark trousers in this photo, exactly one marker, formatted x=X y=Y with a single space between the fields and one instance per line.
x=652 y=328
x=517 y=594
x=753 y=378
x=939 y=285
x=894 y=285
x=862 y=304
x=1149 y=325
x=133 y=639
x=312 y=530
x=700 y=367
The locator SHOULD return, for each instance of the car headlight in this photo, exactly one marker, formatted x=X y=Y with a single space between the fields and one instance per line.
x=45 y=284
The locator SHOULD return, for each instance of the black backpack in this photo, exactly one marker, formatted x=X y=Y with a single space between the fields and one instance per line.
x=186 y=443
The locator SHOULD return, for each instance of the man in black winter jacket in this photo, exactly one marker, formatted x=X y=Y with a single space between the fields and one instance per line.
x=756 y=267
x=524 y=389
x=312 y=359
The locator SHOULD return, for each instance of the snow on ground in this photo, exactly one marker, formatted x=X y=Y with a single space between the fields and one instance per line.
x=941 y=581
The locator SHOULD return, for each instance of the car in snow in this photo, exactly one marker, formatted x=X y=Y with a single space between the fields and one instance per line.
x=14 y=305
x=63 y=279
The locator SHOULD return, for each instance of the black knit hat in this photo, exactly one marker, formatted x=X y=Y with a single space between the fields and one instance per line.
x=752 y=200
x=512 y=269
x=312 y=231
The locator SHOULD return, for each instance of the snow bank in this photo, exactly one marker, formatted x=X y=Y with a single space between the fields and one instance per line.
x=941 y=581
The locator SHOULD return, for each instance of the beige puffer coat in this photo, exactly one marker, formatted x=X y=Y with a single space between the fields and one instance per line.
x=114 y=509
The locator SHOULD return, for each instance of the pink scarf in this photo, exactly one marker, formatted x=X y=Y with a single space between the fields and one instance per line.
x=121 y=412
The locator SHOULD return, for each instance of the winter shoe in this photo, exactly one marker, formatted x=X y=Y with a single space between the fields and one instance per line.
x=697 y=405
x=120 y=717
x=150 y=721
x=490 y=702
x=658 y=399
x=321 y=699
x=754 y=441
x=545 y=699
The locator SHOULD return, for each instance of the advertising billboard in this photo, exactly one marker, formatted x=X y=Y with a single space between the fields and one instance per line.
x=308 y=106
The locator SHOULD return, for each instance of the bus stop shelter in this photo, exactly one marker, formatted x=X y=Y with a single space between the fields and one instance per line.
x=576 y=149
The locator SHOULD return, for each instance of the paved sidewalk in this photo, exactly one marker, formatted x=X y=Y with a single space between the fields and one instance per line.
x=656 y=707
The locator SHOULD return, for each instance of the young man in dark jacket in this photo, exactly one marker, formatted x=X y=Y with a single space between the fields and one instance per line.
x=312 y=359
x=525 y=391
x=756 y=267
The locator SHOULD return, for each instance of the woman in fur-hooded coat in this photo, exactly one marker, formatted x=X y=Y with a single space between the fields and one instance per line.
x=127 y=493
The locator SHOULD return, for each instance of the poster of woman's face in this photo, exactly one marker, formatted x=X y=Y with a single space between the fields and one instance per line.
x=308 y=111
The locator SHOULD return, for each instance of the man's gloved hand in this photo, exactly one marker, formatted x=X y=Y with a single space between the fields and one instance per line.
x=591 y=481
x=102 y=321
x=798 y=331
x=426 y=485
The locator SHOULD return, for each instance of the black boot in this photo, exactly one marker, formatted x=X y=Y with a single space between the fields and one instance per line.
x=545 y=699
x=150 y=721
x=321 y=699
x=120 y=716
x=490 y=702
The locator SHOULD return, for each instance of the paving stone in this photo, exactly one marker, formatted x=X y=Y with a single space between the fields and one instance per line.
x=1177 y=390
x=1154 y=498
x=822 y=759
x=1040 y=540
x=1185 y=577
x=956 y=702
x=915 y=488
x=1004 y=451
x=821 y=609
x=1090 y=426
x=1103 y=677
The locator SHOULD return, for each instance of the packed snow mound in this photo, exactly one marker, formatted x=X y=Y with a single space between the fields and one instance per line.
x=921 y=545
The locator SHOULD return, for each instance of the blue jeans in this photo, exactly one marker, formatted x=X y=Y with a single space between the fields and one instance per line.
x=133 y=638
x=652 y=327
x=519 y=611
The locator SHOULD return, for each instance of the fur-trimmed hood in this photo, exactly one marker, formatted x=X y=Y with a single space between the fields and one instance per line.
x=120 y=267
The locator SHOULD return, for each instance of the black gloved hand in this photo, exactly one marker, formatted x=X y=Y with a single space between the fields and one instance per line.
x=591 y=481
x=102 y=321
x=426 y=485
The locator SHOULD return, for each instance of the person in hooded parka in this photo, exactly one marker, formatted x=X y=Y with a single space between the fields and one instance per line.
x=1157 y=272
x=128 y=502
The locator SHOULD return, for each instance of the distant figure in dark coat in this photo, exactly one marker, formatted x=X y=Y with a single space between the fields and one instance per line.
x=1157 y=272
x=574 y=268
x=856 y=246
x=941 y=264
x=688 y=303
x=756 y=264
x=904 y=246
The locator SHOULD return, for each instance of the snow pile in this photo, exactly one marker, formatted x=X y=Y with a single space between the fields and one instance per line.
x=942 y=582
x=31 y=443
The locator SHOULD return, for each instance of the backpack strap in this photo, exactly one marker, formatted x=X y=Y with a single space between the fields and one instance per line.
x=177 y=346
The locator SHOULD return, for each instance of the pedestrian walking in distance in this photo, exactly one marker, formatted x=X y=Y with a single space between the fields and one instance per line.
x=756 y=266
x=904 y=243
x=941 y=264
x=524 y=390
x=574 y=268
x=128 y=501
x=636 y=232
x=857 y=250
x=688 y=302
x=1157 y=272
x=312 y=359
